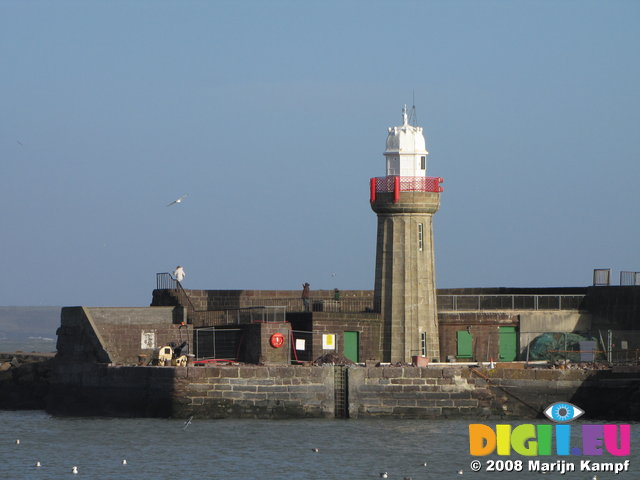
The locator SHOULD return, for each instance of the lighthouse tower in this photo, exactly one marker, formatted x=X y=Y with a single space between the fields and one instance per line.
x=405 y=284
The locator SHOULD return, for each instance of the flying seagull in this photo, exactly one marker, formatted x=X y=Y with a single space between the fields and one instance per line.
x=187 y=423
x=179 y=200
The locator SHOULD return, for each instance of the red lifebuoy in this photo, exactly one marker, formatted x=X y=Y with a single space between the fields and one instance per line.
x=277 y=340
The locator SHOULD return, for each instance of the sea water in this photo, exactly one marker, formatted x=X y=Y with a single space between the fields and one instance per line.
x=171 y=449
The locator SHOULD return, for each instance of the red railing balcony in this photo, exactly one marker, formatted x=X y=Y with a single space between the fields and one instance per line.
x=397 y=184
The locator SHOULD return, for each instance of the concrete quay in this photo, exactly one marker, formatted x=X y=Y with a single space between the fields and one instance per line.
x=271 y=392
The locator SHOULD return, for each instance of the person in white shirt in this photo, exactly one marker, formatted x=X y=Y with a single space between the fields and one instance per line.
x=179 y=274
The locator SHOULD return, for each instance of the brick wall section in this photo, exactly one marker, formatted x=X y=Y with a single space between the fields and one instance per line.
x=258 y=348
x=298 y=391
x=454 y=392
x=484 y=327
x=255 y=392
x=104 y=390
x=368 y=326
x=221 y=299
x=114 y=335
x=411 y=392
x=205 y=392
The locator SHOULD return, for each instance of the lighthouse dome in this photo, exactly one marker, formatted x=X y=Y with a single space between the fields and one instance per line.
x=406 y=139
x=406 y=150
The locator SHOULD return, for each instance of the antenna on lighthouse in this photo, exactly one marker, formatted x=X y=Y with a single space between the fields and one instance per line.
x=413 y=118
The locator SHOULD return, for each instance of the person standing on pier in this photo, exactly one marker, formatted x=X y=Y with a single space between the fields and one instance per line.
x=305 y=296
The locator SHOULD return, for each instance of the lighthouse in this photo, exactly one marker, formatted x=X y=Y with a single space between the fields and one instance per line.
x=405 y=283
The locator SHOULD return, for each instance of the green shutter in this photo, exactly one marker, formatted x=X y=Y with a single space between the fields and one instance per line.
x=464 y=344
x=352 y=346
x=508 y=344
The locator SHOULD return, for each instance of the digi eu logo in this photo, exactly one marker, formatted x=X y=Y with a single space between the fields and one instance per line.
x=562 y=412
x=531 y=440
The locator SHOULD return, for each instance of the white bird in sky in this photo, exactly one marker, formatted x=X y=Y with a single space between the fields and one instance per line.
x=178 y=200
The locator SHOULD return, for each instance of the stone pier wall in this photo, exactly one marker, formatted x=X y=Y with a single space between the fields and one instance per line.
x=302 y=391
x=459 y=392
x=256 y=392
x=205 y=392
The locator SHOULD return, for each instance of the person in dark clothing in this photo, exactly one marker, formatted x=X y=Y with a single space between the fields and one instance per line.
x=305 y=296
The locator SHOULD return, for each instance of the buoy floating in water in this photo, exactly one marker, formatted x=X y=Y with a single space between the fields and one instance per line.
x=384 y=475
x=18 y=441
x=316 y=450
x=38 y=464
x=460 y=472
x=74 y=470
x=124 y=461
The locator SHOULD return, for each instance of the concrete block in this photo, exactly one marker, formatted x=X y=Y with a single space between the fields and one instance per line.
x=392 y=372
x=465 y=403
x=430 y=372
x=244 y=388
x=376 y=410
x=197 y=387
x=229 y=372
x=450 y=372
x=401 y=381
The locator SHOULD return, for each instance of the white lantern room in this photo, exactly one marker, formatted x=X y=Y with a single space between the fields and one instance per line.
x=406 y=152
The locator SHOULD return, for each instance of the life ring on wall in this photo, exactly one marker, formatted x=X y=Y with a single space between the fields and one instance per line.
x=277 y=340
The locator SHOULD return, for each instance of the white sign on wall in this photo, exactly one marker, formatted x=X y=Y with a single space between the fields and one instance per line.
x=147 y=340
x=300 y=343
x=328 y=341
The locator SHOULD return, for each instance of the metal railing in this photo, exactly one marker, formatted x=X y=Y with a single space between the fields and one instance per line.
x=509 y=302
x=601 y=277
x=217 y=344
x=621 y=346
x=220 y=343
x=407 y=184
x=239 y=316
x=165 y=281
x=630 y=278
x=232 y=314
x=318 y=304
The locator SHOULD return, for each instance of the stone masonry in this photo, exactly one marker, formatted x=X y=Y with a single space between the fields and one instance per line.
x=301 y=391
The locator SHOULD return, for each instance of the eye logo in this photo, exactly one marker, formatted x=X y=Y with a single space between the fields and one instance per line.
x=563 y=412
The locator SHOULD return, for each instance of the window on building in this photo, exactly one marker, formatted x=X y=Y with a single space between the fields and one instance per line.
x=423 y=162
x=423 y=343
x=420 y=236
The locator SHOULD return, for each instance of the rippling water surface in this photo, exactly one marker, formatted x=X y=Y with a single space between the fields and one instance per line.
x=158 y=449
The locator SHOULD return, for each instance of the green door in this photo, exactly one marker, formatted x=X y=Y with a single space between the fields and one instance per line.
x=464 y=344
x=508 y=341
x=352 y=346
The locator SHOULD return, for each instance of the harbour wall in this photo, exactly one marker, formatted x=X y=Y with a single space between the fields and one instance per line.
x=337 y=391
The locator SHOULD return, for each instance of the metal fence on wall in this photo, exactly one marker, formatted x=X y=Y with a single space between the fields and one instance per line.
x=601 y=277
x=221 y=343
x=630 y=278
x=621 y=346
x=509 y=302
x=217 y=343
x=239 y=316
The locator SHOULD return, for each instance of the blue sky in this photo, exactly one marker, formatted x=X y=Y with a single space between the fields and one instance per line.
x=272 y=117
